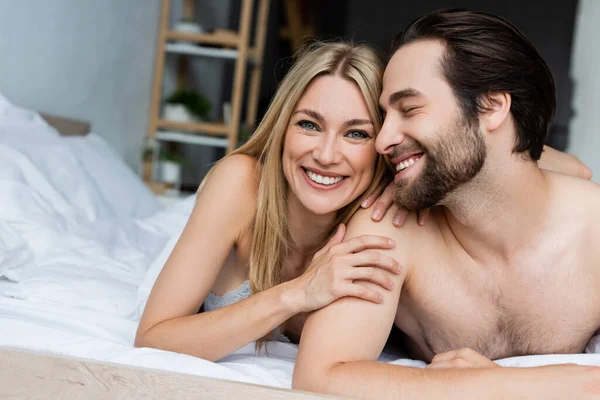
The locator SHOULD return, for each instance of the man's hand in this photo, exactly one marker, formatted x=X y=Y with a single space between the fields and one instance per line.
x=383 y=198
x=463 y=358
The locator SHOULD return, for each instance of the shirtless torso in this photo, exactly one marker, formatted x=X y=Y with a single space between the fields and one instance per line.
x=543 y=300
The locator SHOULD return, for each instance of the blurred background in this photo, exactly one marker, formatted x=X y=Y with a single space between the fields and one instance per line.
x=173 y=85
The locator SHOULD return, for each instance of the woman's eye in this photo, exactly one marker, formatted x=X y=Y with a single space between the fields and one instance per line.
x=357 y=135
x=307 y=125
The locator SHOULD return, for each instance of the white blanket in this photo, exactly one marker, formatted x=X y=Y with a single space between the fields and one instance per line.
x=81 y=242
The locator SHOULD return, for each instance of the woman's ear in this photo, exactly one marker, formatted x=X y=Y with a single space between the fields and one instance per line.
x=497 y=109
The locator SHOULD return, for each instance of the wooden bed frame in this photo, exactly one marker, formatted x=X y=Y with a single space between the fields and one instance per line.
x=67 y=126
x=29 y=375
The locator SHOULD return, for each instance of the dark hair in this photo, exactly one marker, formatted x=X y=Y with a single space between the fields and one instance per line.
x=486 y=54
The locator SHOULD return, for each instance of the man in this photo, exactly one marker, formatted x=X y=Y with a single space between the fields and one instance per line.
x=508 y=265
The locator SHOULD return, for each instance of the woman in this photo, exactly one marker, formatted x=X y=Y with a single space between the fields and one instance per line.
x=264 y=211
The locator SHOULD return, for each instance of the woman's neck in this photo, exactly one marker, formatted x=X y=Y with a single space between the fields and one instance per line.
x=307 y=229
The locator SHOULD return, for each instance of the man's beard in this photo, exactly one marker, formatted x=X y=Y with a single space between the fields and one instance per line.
x=454 y=160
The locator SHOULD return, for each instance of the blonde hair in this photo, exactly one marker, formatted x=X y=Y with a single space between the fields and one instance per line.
x=357 y=63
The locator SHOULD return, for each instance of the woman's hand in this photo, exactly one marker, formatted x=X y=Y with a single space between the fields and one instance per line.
x=463 y=358
x=557 y=161
x=383 y=197
x=336 y=267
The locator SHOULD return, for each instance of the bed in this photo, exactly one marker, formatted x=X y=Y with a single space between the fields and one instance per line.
x=81 y=243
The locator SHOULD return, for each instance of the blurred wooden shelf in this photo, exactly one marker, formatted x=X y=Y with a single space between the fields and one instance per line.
x=222 y=38
x=207 y=128
x=191 y=138
x=222 y=44
x=195 y=50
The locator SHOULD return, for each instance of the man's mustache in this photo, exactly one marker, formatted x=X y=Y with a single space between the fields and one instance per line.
x=406 y=148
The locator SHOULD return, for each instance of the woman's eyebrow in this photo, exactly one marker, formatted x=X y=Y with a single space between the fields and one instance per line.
x=319 y=117
x=311 y=113
x=358 y=121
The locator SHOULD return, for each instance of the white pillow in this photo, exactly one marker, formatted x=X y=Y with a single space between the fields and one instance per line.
x=119 y=185
x=123 y=190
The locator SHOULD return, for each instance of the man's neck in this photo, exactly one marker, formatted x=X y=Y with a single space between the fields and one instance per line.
x=498 y=213
x=307 y=229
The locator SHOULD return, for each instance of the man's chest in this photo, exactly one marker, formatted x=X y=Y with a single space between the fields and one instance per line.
x=547 y=305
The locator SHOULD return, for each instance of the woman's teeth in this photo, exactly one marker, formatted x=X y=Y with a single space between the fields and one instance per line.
x=323 y=180
x=407 y=163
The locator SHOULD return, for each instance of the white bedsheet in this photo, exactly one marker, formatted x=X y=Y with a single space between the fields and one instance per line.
x=78 y=237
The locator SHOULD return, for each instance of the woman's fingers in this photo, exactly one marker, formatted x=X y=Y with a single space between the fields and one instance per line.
x=363 y=242
x=373 y=196
x=423 y=216
x=384 y=202
x=400 y=217
x=373 y=258
x=361 y=292
x=370 y=274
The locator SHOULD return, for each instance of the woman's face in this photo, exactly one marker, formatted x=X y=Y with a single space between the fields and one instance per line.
x=329 y=150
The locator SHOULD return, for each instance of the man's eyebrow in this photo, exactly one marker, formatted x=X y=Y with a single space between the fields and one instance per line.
x=310 y=113
x=404 y=93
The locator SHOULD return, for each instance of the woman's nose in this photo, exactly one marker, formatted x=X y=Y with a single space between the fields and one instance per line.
x=327 y=151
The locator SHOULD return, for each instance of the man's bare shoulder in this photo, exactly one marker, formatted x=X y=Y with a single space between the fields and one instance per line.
x=580 y=196
x=409 y=235
x=576 y=209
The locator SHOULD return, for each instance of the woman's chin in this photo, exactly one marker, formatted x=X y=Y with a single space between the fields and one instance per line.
x=324 y=207
x=320 y=208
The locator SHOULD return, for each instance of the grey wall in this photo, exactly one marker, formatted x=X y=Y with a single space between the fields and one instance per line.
x=585 y=130
x=86 y=59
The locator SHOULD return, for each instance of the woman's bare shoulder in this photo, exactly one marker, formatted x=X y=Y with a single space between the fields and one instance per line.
x=238 y=167
x=237 y=175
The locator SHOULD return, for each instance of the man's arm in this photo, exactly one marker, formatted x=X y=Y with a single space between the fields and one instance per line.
x=341 y=343
x=565 y=163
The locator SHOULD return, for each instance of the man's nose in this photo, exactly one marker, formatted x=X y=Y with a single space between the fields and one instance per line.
x=327 y=152
x=389 y=136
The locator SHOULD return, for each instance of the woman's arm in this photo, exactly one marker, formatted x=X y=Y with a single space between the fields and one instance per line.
x=565 y=163
x=224 y=209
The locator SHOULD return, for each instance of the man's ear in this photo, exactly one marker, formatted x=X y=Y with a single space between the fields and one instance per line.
x=497 y=108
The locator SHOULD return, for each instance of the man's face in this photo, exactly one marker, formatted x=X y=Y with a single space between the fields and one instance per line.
x=432 y=146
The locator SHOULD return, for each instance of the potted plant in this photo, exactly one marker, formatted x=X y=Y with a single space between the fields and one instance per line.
x=170 y=167
x=187 y=105
x=187 y=25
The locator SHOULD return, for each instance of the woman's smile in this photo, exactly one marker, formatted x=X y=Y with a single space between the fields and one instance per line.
x=322 y=180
